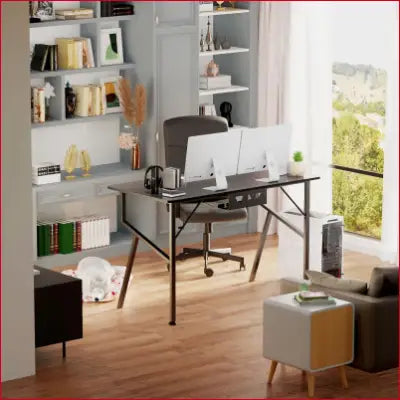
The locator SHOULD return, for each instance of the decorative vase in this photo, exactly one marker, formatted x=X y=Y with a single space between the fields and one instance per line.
x=135 y=154
x=217 y=43
x=212 y=68
x=226 y=44
x=297 y=168
x=70 y=101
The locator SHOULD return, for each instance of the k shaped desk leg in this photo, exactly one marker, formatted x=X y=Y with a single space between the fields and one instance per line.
x=172 y=261
x=261 y=244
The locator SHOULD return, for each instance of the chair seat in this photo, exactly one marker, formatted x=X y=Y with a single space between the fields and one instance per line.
x=211 y=213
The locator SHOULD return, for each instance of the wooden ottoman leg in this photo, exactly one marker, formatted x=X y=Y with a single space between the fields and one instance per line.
x=311 y=384
x=272 y=370
x=343 y=377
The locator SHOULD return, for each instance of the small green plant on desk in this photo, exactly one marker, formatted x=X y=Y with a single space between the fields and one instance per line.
x=297 y=167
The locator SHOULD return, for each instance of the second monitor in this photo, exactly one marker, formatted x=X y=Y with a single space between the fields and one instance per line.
x=260 y=143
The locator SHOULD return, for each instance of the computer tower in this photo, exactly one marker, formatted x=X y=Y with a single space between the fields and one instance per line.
x=326 y=251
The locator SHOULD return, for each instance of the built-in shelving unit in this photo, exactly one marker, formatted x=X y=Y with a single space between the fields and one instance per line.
x=232 y=25
x=86 y=132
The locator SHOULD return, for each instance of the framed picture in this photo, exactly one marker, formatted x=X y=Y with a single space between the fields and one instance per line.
x=111 y=51
x=111 y=96
x=43 y=10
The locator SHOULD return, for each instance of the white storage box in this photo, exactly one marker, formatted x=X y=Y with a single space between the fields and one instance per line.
x=215 y=82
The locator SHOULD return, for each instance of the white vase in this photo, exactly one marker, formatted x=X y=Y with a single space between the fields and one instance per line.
x=297 y=168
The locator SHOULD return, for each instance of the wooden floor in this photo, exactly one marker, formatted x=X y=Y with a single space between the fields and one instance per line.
x=214 y=351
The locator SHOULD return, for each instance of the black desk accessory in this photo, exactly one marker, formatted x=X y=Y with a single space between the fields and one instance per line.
x=154 y=181
x=226 y=108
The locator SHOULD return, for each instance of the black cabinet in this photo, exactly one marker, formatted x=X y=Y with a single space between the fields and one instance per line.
x=58 y=308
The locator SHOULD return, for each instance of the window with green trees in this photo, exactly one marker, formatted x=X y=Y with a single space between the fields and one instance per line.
x=357 y=154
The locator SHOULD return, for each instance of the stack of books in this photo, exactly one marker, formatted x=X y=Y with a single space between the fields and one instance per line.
x=72 y=235
x=111 y=9
x=90 y=100
x=44 y=57
x=313 y=298
x=207 y=109
x=38 y=105
x=75 y=53
x=47 y=172
x=74 y=13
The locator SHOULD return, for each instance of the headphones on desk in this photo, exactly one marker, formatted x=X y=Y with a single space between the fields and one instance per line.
x=154 y=181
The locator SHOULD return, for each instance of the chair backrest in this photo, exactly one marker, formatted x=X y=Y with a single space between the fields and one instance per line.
x=178 y=130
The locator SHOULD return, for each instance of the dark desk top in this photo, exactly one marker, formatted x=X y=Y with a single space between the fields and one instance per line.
x=195 y=190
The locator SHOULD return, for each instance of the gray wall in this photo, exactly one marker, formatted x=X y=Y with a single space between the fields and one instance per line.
x=18 y=351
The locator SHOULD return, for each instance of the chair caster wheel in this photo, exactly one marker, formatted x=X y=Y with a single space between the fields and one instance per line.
x=209 y=272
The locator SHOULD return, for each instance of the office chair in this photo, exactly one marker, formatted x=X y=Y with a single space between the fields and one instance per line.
x=176 y=134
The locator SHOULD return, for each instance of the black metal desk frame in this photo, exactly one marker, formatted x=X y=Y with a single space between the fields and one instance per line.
x=173 y=205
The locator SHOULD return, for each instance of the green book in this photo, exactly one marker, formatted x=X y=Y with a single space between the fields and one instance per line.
x=66 y=237
x=39 y=240
x=47 y=239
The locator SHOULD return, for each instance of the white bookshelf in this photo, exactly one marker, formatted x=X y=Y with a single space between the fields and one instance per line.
x=97 y=134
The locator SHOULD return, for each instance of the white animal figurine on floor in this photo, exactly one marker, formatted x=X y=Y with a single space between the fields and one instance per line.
x=96 y=275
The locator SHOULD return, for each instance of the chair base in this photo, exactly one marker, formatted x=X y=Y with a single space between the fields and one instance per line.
x=223 y=254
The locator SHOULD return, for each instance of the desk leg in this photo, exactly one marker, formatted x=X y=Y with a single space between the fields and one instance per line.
x=261 y=244
x=306 y=264
x=172 y=261
x=128 y=271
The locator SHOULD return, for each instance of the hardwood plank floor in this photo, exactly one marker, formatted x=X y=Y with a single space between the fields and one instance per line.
x=214 y=351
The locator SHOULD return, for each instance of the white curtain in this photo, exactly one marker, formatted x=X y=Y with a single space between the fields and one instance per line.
x=309 y=98
x=274 y=25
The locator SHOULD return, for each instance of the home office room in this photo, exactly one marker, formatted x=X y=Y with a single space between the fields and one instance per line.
x=199 y=199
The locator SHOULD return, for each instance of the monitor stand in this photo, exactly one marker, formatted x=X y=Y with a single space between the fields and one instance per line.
x=220 y=178
x=273 y=172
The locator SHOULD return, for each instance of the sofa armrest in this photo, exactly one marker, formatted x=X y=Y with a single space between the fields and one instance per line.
x=376 y=329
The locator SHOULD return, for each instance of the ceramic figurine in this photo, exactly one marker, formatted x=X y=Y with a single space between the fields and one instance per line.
x=201 y=42
x=208 y=35
x=217 y=43
x=212 y=68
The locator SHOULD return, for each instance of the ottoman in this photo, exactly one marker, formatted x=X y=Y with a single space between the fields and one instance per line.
x=309 y=337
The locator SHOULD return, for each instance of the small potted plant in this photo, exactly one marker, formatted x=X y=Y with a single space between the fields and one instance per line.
x=297 y=167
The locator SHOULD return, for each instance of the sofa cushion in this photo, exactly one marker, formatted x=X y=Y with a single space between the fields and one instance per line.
x=346 y=285
x=384 y=282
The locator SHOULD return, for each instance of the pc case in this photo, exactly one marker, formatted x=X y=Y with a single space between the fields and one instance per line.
x=326 y=251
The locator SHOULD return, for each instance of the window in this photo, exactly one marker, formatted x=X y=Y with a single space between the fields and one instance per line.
x=359 y=85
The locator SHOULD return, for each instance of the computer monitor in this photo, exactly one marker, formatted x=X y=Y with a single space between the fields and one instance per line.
x=212 y=155
x=258 y=143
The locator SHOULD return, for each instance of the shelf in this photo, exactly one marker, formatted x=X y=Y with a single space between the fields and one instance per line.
x=232 y=50
x=119 y=244
x=99 y=174
x=75 y=120
x=227 y=11
x=64 y=72
x=232 y=89
x=62 y=22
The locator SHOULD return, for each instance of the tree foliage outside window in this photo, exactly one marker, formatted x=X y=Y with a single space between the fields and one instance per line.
x=358 y=124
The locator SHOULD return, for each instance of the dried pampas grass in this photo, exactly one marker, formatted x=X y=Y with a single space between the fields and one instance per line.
x=140 y=104
x=127 y=101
